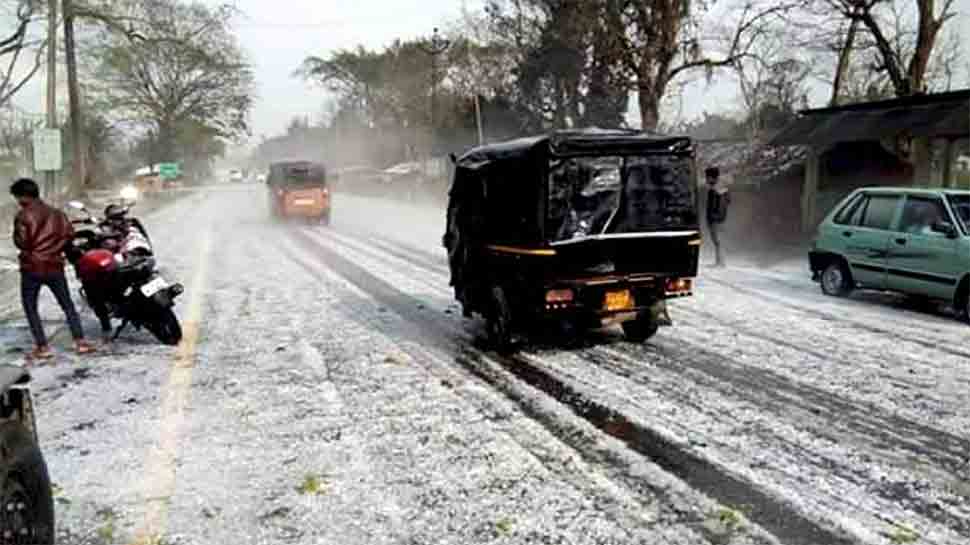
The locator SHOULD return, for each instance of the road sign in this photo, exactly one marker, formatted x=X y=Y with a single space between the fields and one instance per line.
x=168 y=171
x=47 y=150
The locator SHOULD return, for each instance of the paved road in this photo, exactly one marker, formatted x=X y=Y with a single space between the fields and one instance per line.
x=328 y=391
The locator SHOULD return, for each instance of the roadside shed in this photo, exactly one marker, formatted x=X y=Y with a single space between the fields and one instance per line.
x=922 y=131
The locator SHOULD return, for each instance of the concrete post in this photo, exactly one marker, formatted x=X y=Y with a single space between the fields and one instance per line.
x=949 y=179
x=810 y=190
x=922 y=162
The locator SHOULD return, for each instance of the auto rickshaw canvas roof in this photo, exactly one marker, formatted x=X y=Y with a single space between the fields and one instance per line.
x=575 y=142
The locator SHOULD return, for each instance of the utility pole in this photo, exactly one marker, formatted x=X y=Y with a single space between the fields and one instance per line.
x=78 y=165
x=434 y=47
x=51 y=176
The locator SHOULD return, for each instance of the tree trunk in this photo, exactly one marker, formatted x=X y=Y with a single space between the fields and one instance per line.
x=649 y=108
x=165 y=145
x=925 y=40
x=843 y=67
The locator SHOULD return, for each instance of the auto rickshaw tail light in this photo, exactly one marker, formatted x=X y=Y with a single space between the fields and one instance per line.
x=559 y=296
x=678 y=286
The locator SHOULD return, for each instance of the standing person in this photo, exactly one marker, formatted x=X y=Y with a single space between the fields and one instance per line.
x=718 y=200
x=41 y=233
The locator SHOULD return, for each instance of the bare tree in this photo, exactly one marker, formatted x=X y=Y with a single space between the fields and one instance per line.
x=661 y=41
x=903 y=55
x=13 y=47
x=772 y=80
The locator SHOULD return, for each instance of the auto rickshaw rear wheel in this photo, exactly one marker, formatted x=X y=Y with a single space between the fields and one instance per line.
x=26 y=501
x=641 y=328
x=499 y=321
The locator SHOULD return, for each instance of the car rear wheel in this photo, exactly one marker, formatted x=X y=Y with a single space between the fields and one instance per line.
x=836 y=280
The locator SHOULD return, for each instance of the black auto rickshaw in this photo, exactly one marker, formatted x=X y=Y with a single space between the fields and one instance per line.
x=588 y=227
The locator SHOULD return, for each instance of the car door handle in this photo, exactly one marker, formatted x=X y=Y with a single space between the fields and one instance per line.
x=847 y=233
x=901 y=241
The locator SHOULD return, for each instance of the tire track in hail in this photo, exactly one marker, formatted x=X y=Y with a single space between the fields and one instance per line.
x=767 y=389
x=436 y=366
x=950 y=451
x=776 y=515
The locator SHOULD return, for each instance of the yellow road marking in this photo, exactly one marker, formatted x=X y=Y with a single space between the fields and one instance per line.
x=159 y=483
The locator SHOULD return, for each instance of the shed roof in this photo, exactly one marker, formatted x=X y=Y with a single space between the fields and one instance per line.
x=941 y=115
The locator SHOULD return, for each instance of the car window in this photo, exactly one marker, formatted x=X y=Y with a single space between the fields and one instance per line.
x=880 y=211
x=851 y=212
x=961 y=206
x=920 y=213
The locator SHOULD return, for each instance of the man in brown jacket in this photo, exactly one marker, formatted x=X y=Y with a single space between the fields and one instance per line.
x=42 y=233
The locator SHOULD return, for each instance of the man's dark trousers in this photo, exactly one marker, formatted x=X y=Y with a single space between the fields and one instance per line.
x=30 y=285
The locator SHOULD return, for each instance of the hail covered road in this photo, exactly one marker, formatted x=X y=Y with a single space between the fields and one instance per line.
x=329 y=391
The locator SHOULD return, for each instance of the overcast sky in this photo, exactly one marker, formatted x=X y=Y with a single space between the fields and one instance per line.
x=279 y=34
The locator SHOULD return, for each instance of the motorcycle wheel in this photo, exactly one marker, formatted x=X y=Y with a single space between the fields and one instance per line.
x=26 y=501
x=165 y=327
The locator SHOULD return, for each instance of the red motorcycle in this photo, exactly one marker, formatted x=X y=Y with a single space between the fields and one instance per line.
x=114 y=260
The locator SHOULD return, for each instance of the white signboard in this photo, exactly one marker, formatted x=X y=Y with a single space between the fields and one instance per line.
x=47 y=149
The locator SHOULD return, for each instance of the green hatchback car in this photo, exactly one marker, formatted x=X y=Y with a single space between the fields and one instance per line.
x=907 y=240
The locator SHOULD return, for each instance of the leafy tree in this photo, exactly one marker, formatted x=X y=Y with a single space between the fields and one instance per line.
x=567 y=72
x=174 y=65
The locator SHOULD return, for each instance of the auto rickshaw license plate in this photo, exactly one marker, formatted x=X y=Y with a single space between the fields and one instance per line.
x=618 y=300
x=303 y=202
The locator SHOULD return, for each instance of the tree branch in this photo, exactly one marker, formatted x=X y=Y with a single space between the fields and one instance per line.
x=735 y=51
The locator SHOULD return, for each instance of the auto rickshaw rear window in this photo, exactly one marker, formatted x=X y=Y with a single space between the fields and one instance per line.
x=297 y=175
x=604 y=195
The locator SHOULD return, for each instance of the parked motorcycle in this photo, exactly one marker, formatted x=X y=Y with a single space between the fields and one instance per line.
x=114 y=260
x=26 y=499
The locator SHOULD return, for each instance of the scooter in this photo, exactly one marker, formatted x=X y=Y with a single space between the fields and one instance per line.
x=26 y=499
x=115 y=263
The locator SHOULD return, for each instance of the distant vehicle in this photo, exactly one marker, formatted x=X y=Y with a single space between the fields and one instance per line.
x=236 y=176
x=261 y=178
x=911 y=241
x=584 y=227
x=299 y=189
